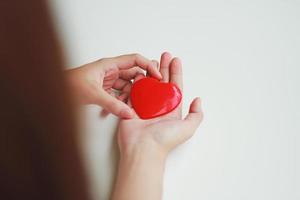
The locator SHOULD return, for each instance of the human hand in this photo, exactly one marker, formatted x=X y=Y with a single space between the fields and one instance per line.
x=97 y=82
x=161 y=134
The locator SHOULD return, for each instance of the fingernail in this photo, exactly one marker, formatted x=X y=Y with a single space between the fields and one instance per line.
x=160 y=76
x=155 y=64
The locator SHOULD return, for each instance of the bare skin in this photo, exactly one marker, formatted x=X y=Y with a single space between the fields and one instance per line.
x=96 y=82
x=144 y=144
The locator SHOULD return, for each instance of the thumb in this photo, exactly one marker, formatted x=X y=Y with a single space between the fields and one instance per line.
x=193 y=118
x=115 y=106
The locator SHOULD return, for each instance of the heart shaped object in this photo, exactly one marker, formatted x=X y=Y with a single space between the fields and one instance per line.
x=151 y=98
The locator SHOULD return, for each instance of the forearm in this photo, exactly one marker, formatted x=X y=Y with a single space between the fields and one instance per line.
x=140 y=175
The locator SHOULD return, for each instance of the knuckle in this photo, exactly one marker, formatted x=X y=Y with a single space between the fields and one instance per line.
x=111 y=106
x=138 y=70
x=102 y=59
x=137 y=56
x=105 y=60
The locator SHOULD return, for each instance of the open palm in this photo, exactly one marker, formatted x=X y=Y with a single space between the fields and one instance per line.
x=167 y=131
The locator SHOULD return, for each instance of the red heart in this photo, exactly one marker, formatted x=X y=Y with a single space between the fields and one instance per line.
x=151 y=98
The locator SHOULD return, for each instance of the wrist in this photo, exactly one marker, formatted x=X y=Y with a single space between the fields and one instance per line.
x=140 y=173
x=147 y=151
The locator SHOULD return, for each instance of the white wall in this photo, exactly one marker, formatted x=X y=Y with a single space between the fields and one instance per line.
x=241 y=57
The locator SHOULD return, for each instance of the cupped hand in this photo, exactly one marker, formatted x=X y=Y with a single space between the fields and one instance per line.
x=163 y=133
x=107 y=82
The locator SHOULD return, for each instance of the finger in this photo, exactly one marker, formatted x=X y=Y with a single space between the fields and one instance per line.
x=120 y=84
x=132 y=60
x=105 y=112
x=156 y=63
x=176 y=72
x=111 y=92
x=123 y=97
x=129 y=74
x=125 y=93
x=139 y=77
x=115 y=106
x=127 y=88
x=130 y=105
x=193 y=118
x=164 y=66
x=135 y=116
x=129 y=102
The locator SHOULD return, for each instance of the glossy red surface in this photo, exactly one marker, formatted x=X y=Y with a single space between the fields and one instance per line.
x=151 y=98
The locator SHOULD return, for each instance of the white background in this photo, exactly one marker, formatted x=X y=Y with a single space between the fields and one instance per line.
x=241 y=57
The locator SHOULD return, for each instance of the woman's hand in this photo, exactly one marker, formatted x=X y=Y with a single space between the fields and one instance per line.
x=165 y=132
x=100 y=81
x=144 y=144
